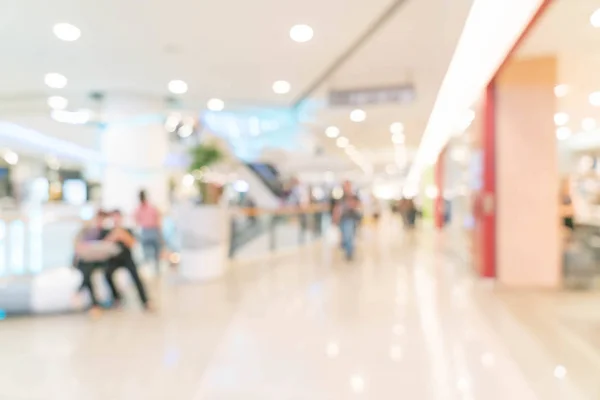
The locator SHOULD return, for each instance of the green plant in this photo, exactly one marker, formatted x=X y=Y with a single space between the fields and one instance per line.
x=202 y=157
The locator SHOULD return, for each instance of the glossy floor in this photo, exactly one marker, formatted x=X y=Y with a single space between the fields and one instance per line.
x=404 y=321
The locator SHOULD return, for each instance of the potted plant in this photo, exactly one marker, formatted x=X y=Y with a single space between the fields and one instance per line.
x=204 y=224
x=202 y=157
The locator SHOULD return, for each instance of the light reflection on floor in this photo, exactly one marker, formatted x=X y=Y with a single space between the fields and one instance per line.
x=405 y=320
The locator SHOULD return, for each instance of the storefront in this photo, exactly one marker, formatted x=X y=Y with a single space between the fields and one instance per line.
x=537 y=148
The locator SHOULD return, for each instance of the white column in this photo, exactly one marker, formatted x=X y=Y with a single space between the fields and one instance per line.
x=135 y=146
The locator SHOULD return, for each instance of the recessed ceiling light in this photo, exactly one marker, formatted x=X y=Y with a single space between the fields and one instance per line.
x=57 y=102
x=301 y=33
x=55 y=81
x=215 y=105
x=79 y=117
x=594 y=99
x=67 y=32
x=333 y=349
x=561 y=90
x=357 y=383
x=563 y=133
x=397 y=127
x=11 y=157
x=588 y=124
x=595 y=19
x=342 y=142
x=282 y=87
x=332 y=132
x=185 y=131
x=358 y=115
x=560 y=372
x=178 y=86
x=561 y=118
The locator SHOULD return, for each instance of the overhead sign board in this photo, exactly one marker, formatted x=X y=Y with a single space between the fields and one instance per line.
x=398 y=94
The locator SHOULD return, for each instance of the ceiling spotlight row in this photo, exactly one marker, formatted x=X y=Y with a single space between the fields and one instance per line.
x=333 y=132
x=298 y=33
x=562 y=90
x=561 y=119
x=67 y=32
x=563 y=132
x=177 y=86
x=54 y=80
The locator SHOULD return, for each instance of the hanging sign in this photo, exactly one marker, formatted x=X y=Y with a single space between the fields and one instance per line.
x=399 y=94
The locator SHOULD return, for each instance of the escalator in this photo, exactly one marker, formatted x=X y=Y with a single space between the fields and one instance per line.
x=265 y=186
x=266 y=189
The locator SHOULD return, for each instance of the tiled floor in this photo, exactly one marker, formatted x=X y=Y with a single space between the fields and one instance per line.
x=405 y=321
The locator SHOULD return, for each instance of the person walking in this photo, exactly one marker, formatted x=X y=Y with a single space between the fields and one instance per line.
x=347 y=216
x=148 y=219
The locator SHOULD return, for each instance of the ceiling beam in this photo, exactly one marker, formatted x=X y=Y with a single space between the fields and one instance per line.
x=338 y=62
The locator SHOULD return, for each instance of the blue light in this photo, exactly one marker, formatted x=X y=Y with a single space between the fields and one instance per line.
x=2 y=315
x=47 y=144
x=251 y=131
x=138 y=120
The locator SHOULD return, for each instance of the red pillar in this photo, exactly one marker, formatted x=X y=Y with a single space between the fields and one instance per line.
x=487 y=201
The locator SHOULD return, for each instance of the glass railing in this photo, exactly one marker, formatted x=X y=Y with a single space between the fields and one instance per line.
x=257 y=231
x=33 y=242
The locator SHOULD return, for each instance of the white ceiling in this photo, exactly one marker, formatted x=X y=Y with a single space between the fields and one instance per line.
x=415 y=46
x=235 y=50
x=565 y=32
x=230 y=49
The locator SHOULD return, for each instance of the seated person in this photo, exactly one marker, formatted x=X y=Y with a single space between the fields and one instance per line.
x=125 y=240
x=91 y=254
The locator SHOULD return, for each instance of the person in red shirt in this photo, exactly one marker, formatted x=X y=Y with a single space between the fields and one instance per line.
x=148 y=219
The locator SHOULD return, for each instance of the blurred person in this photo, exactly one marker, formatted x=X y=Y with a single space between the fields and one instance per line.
x=91 y=255
x=412 y=213
x=375 y=209
x=347 y=216
x=148 y=219
x=251 y=204
x=567 y=210
x=124 y=259
x=298 y=198
x=408 y=211
x=402 y=208
x=294 y=196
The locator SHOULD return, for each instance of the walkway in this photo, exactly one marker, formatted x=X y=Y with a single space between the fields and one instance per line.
x=405 y=321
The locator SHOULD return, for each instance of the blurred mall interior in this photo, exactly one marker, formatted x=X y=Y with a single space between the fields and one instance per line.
x=343 y=199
